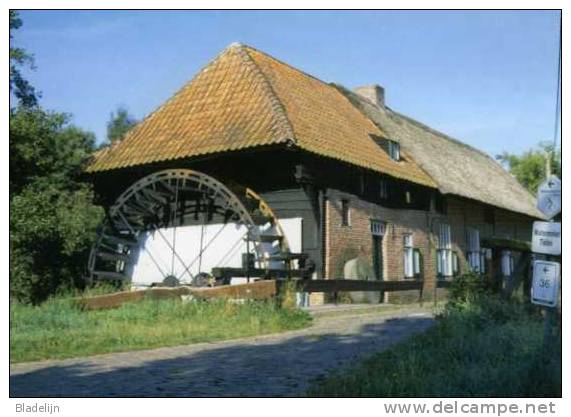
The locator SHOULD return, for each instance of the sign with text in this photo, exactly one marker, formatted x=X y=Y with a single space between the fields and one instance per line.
x=549 y=197
x=546 y=238
x=545 y=287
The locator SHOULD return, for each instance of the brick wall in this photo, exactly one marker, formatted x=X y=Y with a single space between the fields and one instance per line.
x=344 y=242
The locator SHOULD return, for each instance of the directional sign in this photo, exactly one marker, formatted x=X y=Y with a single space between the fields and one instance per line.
x=549 y=197
x=545 y=288
x=546 y=238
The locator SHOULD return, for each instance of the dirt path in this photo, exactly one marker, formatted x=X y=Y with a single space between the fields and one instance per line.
x=274 y=365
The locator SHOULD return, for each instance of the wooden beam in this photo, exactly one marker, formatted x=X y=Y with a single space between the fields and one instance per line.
x=114 y=300
x=511 y=244
x=257 y=273
x=339 y=285
x=259 y=290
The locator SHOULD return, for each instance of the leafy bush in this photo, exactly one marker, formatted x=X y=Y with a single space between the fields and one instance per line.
x=484 y=347
x=52 y=217
x=466 y=288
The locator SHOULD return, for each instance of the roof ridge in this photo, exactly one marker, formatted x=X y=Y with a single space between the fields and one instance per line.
x=415 y=122
x=436 y=132
x=397 y=118
x=284 y=63
x=278 y=109
x=348 y=95
x=149 y=116
x=444 y=136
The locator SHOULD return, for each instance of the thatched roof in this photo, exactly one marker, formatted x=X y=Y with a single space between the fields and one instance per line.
x=456 y=167
x=245 y=99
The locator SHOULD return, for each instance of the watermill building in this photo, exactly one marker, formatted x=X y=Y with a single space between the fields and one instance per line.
x=350 y=180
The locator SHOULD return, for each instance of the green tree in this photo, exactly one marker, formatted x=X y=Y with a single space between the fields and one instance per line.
x=51 y=232
x=43 y=144
x=120 y=122
x=529 y=168
x=52 y=218
x=19 y=58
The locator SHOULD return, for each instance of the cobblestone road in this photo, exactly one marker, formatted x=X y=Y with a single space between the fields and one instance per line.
x=273 y=365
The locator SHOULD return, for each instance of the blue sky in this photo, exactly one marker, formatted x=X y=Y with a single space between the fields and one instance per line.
x=487 y=78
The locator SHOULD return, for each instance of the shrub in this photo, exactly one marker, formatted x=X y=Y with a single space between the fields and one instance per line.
x=482 y=346
x=466 y=288
x=52 y=218
x=51 y=232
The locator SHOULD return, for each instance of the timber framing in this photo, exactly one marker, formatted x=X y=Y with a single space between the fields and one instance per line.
x=509 y=244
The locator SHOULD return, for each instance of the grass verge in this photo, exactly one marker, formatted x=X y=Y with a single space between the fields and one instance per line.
x=484 y=347
x=58 y=329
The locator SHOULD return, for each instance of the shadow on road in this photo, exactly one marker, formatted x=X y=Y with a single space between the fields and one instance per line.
x=265 y=367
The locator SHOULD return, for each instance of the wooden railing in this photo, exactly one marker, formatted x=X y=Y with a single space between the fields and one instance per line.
x=343 y=285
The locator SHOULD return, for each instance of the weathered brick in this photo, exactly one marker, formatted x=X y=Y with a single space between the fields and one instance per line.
x=344 y=242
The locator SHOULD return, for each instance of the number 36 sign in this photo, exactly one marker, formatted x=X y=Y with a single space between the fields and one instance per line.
x=545 y=288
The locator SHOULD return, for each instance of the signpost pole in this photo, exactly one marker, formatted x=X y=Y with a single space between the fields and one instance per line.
x=546 y=239
x=550 y=326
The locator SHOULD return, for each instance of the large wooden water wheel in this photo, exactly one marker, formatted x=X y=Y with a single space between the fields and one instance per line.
x=204 y=214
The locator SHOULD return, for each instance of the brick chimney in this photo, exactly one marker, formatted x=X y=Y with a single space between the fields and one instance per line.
x=374 y=93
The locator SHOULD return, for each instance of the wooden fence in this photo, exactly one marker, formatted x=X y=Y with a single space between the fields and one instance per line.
x=258 y=290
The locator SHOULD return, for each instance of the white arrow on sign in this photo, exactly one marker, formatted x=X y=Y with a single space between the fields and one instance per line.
x=546 y=238
x=549 y=197
x=546 y=279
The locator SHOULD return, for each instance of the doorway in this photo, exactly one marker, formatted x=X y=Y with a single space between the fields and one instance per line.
x=378 y=232
x=378 y=257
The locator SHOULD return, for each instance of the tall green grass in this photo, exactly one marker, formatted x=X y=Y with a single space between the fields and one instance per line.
x=59 y=329
x=481 y=346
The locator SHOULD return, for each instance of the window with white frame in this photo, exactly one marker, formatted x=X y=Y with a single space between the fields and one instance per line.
x=447 y=264
x=412 y=258
x=378 y=227
x=394 y=150
x=417 y=258
x=408 y=256
x=507 y=263
x=473 y=250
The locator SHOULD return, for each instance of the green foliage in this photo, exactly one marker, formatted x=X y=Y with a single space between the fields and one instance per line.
x=466 y=288
x=529 y=168
x=19 y=58
x=58 y=329
x=119 y=124
x=52 y=218
x=484 y=347
x=44 y=145
x=51 y=231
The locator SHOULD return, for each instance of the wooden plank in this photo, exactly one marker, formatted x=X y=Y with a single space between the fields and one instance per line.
x=256 y=272
x=259 y=290
x=339 y=285
x=114 y=300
